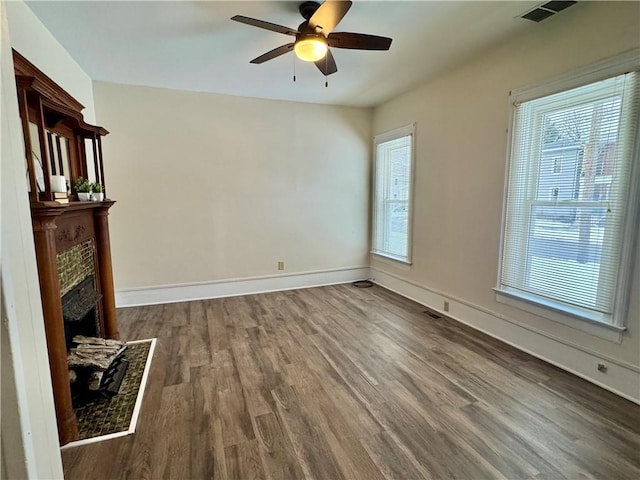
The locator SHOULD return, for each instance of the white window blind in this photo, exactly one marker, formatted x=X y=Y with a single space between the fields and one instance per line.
x=392 y=193
x=568 y=198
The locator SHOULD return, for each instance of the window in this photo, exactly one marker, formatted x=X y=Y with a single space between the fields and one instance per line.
x=557 y=165
x=392 y=192
x=570 y=252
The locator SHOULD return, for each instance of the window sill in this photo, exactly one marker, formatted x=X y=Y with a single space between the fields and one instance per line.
x=574 y=318
x=391 y=260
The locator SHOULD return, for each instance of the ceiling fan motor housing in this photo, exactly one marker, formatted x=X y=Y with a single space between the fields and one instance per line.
x=307 y=9
x=305 y=29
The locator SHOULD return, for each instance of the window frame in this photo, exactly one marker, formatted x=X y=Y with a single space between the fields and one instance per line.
x=576 y=317
x=410 y=131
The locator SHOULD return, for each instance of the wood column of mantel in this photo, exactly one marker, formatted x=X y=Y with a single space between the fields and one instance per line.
x=103 y=246
x=44 y=232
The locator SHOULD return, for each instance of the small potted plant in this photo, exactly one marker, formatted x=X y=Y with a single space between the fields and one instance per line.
x=83 y=189
x=96 y=192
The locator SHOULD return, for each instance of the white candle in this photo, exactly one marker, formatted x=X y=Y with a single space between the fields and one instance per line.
x=58 y=184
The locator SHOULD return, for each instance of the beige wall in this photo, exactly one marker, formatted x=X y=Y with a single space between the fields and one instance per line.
x=462 y=118
x=213 y=187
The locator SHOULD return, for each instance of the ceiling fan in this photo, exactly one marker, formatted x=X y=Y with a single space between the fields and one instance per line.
x=315 y=35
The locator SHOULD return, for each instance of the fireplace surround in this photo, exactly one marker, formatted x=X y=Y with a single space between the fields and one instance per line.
x=58 y=228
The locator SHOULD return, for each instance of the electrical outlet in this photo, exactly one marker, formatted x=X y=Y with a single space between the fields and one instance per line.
x=446 y=306
x=280 y=265
x=602 y=368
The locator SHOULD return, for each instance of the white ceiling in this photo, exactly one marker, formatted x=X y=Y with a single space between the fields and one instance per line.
x=195 y=46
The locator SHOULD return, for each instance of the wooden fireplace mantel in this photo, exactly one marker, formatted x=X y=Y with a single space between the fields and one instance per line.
x=67 y=232
x=57 y=228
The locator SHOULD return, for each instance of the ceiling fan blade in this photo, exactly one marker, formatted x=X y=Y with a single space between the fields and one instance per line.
x=329 y=15
x=358 y=41
x=276 y=52
x=327 y=65
x=266 y=25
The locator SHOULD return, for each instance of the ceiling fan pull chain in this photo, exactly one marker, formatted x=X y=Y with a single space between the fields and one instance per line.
x=294 y=69
x=326 y=69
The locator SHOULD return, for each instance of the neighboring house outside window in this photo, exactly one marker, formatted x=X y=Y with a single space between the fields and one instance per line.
x=571 y=196
x=392 y=194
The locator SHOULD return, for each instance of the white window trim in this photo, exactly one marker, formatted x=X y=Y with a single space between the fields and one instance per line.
x=556 y=312
x=381 y=138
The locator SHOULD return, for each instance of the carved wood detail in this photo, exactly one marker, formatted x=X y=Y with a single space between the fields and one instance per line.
x=70 y=237
x=74 y=228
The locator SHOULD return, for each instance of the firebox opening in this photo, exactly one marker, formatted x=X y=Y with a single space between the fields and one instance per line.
x=80 y=311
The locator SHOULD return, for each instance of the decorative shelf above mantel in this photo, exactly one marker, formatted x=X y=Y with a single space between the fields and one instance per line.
x=57 y=138
x=71 y=237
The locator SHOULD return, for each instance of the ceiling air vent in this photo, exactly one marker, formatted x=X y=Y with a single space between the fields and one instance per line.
x=546 y=10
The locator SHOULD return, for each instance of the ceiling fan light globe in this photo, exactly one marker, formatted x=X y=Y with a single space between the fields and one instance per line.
x=310 y=49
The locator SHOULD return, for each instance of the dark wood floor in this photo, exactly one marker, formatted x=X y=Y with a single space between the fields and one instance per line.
x=339 y=382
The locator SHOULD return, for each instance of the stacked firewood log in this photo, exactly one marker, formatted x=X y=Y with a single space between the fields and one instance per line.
x=94 y=355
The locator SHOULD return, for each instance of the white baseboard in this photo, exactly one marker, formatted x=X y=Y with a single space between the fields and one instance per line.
x=621 y=378
x=133 y=297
